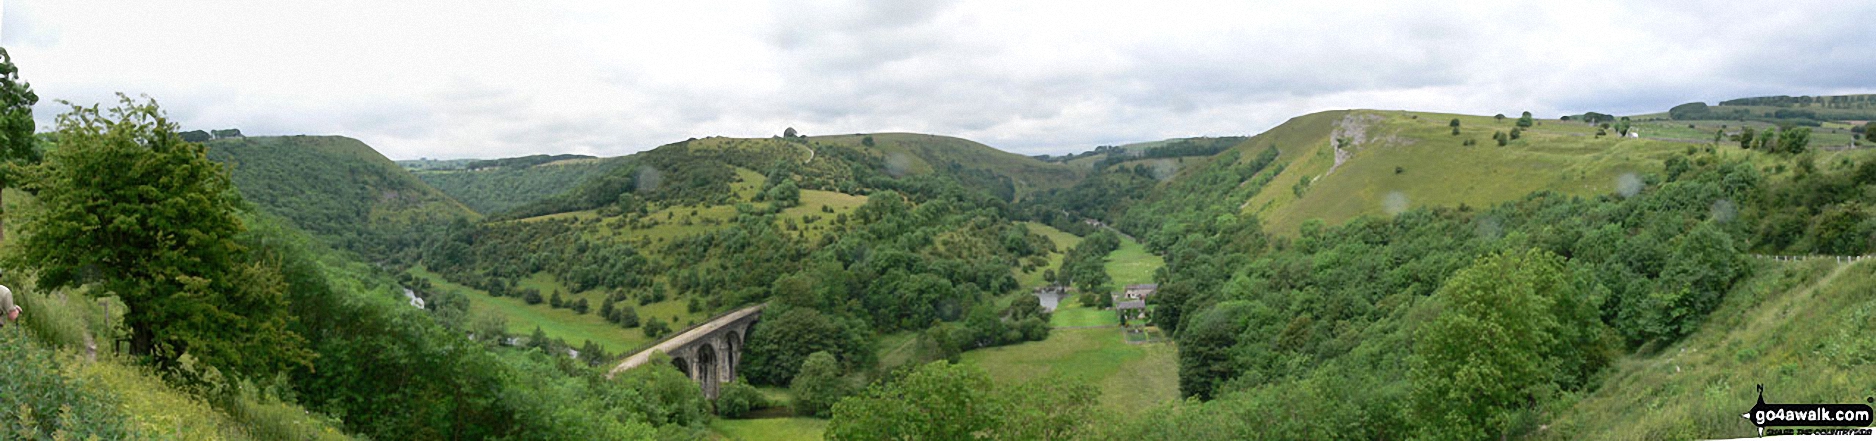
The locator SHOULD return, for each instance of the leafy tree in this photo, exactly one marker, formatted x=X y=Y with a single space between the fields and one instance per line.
x=1500 y=330
x=941 y=400
x=1205 y=349
x=1525 y=121
x=778 y=344
x=867 y=141
x=655 y=327
x=1794 y=140
x=1499 y=117
x=1455 y=126
x=738 y=398
x=788 y=133
x=16 y=124
x=1744 y=137
x=129 y=206
x=785 y=194
x=818 y=385
x=1702 y=267
x=626 y=316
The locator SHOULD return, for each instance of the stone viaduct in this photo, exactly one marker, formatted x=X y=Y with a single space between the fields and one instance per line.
x=709 y=353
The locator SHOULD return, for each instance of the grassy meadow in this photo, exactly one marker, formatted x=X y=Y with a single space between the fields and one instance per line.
x=1132 y=264
x=778 y=429
x=1130 y=377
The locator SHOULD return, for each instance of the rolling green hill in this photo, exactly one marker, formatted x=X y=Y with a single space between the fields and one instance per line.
x=1345 y=164
x=698 y=170
x=496 y=189
x=958 y=157
x=337 y=188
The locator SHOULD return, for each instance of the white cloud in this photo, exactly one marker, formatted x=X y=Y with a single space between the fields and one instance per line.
x=487 y=79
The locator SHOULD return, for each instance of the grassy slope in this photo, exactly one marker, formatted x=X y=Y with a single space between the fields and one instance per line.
x=1132 y=264
x=1435 y=168
x=1801 y=330
x=564 y=323
x=155 y=409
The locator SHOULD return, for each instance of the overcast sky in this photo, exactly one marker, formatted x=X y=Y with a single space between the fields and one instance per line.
x=453 y=79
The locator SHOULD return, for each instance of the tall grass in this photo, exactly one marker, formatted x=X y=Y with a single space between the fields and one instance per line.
x=50 y=388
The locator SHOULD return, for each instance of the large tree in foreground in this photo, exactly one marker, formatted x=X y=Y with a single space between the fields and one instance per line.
x=129 y=207
x=1508 y=330
x=16 y=124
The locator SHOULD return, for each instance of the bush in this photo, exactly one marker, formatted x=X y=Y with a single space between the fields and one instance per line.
x=40 y=401
x=738 y=398
x=818 y=385
x=655 y=328
x=626 y=316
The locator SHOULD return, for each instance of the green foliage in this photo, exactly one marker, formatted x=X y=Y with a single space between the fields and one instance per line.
x=17 y=143
x=340 y=190
x=1793 y=141
x=41 y=402
x=1085 y=267
x=669 y=397
x=1689 y=111
x=1496 y=343
x=777 y=345
x=785 y=194
x=817 y=386
x=131 y=207
x=504 y=184
x=1205 y=360
x=1524 y=121
x=940 y=400
x=737 y=398
x=656 y=327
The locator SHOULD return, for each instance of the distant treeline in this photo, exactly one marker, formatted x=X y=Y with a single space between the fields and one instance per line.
x=524 y=161
x=1173 y=149
x=1783 y=110
x=1830 y=102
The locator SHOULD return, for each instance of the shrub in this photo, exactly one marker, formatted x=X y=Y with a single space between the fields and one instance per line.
x=39 y=401
x=738 y=398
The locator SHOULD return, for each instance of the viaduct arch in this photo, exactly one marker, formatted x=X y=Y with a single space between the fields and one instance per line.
x=708 y=353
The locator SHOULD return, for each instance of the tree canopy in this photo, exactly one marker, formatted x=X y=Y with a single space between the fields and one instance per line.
x=127 y=204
